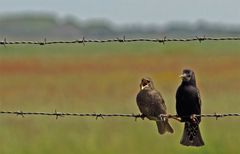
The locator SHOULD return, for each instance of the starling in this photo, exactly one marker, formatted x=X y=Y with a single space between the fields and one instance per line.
x=151 y=105
x=188 y=104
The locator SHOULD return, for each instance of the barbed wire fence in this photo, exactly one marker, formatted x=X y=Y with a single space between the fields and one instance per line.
x=84 y=41
x=121 y=40
x=102 y=115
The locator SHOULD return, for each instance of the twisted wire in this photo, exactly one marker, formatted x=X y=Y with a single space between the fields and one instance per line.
x=102 y=115
x=121 y=40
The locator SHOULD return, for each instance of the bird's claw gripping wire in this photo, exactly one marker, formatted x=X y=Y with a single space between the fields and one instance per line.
x=194 y=118
x=163 y=117
x=142 y=116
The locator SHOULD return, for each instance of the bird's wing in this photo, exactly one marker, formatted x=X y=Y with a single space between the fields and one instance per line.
x=179 y=99
x=199 y=100
x=158 y=102
x=151 y=103
x=143 y=102
x=188 y=100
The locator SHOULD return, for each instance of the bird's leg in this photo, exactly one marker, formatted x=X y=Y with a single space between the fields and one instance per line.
x=193 y=117
x=142 y=116
x=162 y=117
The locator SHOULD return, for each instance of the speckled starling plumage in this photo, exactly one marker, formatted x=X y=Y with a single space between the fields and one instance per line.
x=151 y=105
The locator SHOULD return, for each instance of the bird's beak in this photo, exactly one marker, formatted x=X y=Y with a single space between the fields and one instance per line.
x=183 y=75
x=142 y=86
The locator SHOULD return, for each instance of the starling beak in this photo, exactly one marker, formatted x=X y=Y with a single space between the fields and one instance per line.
x=188 y=103
x=183 y=75
x=152 y=105
x=146 y=83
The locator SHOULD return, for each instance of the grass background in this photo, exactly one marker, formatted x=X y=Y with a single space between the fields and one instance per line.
x=105 y=78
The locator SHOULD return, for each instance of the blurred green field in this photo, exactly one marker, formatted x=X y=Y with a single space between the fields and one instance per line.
x=104 y=78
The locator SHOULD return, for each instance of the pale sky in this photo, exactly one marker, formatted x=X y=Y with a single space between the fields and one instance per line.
x=133 y=11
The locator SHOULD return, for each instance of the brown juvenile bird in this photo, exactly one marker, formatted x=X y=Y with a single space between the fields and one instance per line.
x=151 y=105
x=188 y=103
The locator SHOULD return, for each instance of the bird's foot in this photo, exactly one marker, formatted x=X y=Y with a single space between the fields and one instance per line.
x=194 y=118
x=142 y=116
x=162 y=117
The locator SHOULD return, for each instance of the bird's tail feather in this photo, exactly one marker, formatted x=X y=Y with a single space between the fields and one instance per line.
x=164 y=126
x=192 y=135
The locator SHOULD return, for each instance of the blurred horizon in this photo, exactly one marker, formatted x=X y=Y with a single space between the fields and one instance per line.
x=36 y=25
x=134 y=11
x=27 y=19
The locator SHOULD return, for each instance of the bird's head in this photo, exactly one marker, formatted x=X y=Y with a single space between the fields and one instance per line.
x=146 y=83
x=188 y=76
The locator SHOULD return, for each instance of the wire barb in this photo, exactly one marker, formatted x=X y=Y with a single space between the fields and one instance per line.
x=120 y=40
x=58 y=114
x=164 y=40
x=4 y=42
x=200 y=39
x=83 y=41
x=99 y=116
x=44 y=42
x=20 y=113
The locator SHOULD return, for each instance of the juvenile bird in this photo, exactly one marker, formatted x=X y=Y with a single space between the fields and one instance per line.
x=151 y=105
x=188 y=104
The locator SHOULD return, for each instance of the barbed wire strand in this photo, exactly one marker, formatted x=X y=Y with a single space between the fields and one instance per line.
x=102 y=115
x=121 y=40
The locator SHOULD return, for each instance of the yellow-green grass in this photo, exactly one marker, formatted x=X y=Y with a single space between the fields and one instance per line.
x=104 y=78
